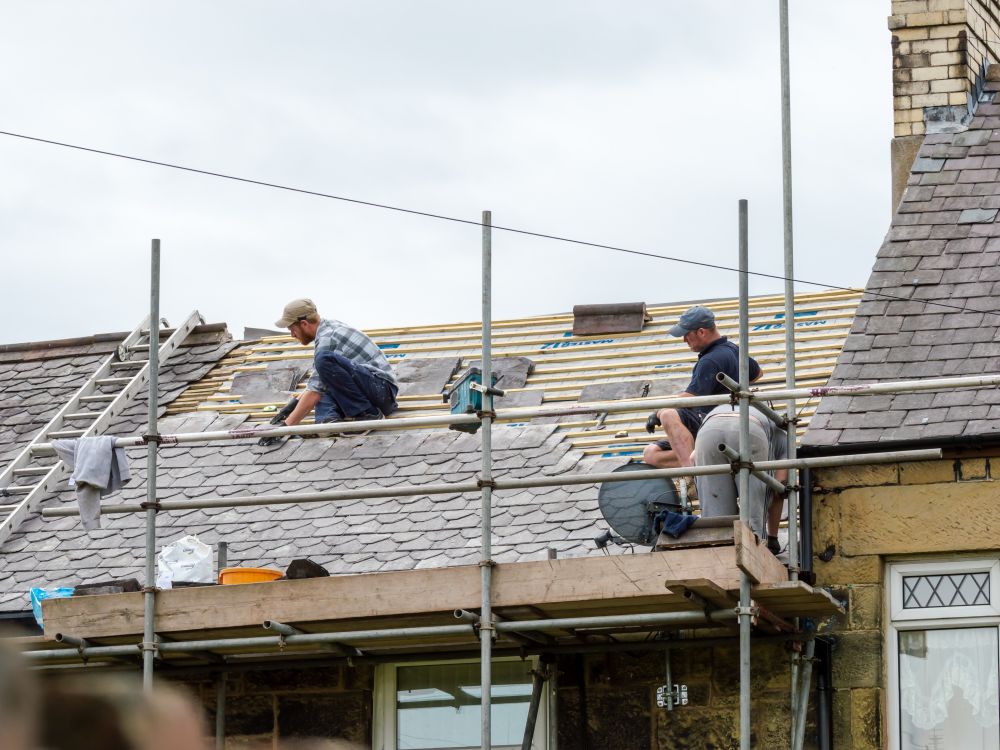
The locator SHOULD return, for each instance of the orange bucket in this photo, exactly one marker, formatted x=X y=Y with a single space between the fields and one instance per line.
x=248 y=575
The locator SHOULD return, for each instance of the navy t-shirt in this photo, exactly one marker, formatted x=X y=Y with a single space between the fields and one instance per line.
x=722 y=355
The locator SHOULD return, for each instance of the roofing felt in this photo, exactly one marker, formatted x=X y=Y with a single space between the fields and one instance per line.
x=197 y=393
x=943 y=247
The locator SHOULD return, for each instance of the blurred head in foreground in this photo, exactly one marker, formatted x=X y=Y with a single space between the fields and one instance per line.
x=99 y=712
x=18 y=701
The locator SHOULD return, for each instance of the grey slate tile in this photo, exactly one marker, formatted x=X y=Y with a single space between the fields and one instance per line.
x=971 y=138
x=926 y=164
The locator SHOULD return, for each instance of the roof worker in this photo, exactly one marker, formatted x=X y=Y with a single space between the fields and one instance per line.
x=718 y=494
x=716 y=353
x=351 y=381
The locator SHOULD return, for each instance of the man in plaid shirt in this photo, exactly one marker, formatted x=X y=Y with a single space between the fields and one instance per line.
x=351 y=380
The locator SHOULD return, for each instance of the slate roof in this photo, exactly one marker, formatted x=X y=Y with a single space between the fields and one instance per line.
x=943 y=247
x=197 y=393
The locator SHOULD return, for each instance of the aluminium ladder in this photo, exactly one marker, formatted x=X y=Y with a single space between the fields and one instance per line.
x=26 y=480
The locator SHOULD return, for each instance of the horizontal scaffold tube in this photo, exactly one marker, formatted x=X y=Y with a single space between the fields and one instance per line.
x=523 y=413
x=926 y=454
x=774 y=484
x=656 y=619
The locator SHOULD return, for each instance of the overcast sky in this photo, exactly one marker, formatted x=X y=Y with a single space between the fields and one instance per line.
x=638 y=124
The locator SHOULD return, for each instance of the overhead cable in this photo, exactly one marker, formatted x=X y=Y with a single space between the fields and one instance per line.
x=471 y=222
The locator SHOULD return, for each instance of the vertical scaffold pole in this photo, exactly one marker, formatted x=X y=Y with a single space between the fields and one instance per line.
x=486 y=481
x=220 y=685
x=786 y=181
x=790 y=407
x=744 y=476
x=220 y=712
x=149 y=596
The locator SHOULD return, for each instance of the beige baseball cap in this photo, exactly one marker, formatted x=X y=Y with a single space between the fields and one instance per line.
x=296 y=310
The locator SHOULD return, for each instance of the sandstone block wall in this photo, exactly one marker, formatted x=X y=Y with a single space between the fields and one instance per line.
x=605 y=701
x=866 y=516
x=265 y=707
x=939 y=47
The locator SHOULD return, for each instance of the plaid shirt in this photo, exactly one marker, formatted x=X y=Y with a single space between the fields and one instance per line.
x=353 y=344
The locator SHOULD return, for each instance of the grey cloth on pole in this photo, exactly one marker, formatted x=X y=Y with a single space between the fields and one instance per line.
x=99 y=469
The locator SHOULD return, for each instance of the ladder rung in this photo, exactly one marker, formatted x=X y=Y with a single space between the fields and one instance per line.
x=83 y=415
x=130 y=365
x=24 y=490
x=98 y=397
x=32 y=471
x=58 y=434
x=114 y=381
x=140 y=348
x=7 y=509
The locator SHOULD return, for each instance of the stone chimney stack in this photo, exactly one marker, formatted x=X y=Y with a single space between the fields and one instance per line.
x=941 y=50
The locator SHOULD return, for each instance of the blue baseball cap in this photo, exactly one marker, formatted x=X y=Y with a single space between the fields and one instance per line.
x=694 y=318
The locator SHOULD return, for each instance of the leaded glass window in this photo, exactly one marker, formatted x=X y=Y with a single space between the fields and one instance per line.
x=952 y=590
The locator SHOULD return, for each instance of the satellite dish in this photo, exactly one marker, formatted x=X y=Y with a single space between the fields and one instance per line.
x=629 y=507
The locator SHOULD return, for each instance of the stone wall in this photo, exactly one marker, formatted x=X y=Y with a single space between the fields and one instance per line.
x=938 y=51
x=864 y=515
x=332 y=702
x=619 y=692
x=939 y=47
x=605 y=701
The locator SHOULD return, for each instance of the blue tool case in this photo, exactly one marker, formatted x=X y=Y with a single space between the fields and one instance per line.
x=464 y=399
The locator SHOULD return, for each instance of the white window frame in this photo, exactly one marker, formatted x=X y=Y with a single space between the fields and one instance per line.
x=930 y=618
x=384 y=718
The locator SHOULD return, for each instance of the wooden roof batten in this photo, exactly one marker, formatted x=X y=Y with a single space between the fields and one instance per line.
x=570 y=363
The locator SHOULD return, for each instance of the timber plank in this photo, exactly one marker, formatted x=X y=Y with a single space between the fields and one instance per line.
x=796 y=598
x=707 y=590
x=755 y=559
x=594 y=583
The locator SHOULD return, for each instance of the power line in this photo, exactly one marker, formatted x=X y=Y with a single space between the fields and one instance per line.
x=470 y=222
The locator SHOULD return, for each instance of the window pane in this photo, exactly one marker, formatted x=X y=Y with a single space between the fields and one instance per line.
x=948 y=689
x=956 y=590
x=437 y=706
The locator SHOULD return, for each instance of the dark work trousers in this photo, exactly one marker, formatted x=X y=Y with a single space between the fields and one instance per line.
x=352 y=391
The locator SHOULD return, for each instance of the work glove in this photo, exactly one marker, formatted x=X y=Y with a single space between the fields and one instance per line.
x=652 y=422
x=268 y=441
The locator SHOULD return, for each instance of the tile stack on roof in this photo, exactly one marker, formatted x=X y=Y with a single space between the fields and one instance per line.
x=943 y=247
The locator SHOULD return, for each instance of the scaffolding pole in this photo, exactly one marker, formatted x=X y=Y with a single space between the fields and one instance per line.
x=786 y=182
x=525 y=413
x=486 y=629
x=149 y=592
x=651 y=621
x=744 y=475
x=790 y=406
x=818 y=462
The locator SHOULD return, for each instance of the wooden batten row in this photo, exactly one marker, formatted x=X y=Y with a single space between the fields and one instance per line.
x=561 y=373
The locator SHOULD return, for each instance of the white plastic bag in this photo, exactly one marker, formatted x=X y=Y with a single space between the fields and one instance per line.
x=187 y=559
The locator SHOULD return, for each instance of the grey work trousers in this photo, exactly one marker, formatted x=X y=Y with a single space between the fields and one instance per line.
x=718 y=494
